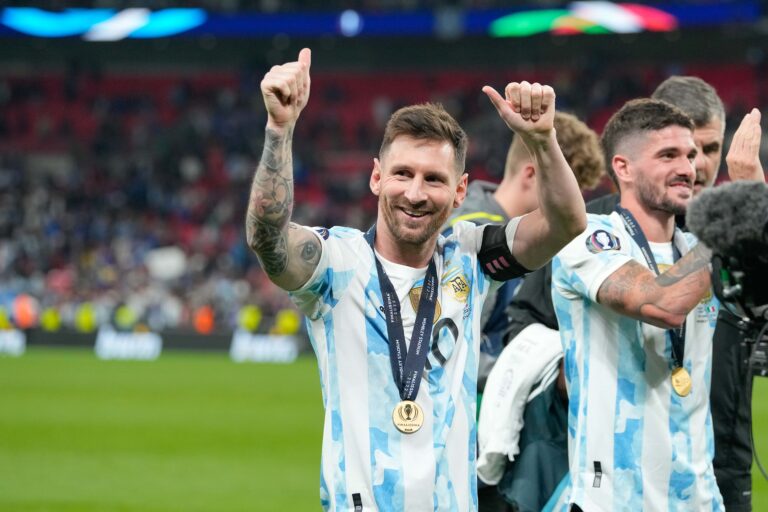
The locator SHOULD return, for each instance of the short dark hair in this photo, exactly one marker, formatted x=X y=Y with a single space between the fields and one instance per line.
x=635 y=117
x=693 y=96
x=428 y=121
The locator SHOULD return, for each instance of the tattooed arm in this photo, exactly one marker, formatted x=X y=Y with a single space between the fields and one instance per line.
x=288 y=253
x=664 y=300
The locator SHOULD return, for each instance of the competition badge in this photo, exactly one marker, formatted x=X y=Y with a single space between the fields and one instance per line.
x=681 y=381
x=408 y=417
x=407 y=361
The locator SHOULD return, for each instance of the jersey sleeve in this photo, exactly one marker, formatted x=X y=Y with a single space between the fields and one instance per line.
x=582 y=266
x=339 y=258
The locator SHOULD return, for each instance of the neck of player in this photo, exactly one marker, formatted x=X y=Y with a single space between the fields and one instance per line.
x=401 y=252
x=658 y=225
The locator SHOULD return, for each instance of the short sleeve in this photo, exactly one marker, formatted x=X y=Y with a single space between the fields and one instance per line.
x=342 y=252
x=580 y=268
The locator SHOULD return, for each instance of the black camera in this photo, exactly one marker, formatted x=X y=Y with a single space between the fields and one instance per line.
x=732 y=220
x=744 y=292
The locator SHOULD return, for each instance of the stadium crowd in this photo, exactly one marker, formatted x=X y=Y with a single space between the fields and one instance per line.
x=100 y=169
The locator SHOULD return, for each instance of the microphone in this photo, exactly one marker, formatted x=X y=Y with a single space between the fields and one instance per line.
x=731 y=219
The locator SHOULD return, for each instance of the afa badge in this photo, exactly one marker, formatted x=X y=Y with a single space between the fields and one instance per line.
x=455 y=284
x=602 y=240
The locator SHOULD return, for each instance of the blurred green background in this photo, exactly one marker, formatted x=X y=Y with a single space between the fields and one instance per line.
x=188 y=432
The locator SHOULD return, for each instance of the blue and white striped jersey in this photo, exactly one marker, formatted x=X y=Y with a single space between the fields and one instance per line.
x=363 y=453
x=633 y=443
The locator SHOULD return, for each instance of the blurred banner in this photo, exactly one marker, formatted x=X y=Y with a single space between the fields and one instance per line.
x=263 y=348
x=111 y=344
x=446 y=22
x=108 y=343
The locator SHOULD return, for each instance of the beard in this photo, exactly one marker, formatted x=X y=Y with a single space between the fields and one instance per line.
x=417 y=234
x=657 y=199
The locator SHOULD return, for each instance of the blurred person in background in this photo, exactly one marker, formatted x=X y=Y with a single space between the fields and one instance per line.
x=390 y=442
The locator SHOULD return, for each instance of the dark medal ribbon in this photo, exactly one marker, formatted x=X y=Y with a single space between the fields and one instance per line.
x=633 y=228
x=407 y=363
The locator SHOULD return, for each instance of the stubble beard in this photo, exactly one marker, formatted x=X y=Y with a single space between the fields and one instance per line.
x=401 y=234
x=658 y=199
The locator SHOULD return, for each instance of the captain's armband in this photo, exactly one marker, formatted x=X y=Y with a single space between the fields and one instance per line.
x=496 y=258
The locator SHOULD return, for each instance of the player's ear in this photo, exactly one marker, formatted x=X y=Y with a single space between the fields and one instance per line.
x=529 y=171
x=375 y=181
x=461 y=190
x=621 y=168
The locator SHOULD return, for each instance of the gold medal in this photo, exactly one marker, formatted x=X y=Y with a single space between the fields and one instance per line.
x=681 y=381
x=408 y=417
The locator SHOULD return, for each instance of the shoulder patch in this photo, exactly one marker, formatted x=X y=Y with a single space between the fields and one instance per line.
x=322 y=232
x=601 y=240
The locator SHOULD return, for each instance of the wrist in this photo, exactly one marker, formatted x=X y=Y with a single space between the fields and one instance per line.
x=280 y=128
x=540 y=141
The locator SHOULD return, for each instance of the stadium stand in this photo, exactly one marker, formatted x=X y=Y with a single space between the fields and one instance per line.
x=100 y=169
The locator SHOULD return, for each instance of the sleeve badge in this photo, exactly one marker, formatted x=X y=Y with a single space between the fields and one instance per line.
x=601 y=240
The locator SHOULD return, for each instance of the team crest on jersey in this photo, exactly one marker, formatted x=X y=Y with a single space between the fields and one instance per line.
x=415 y=295
x=323 y=232
x=601 y=240
x=455 y=284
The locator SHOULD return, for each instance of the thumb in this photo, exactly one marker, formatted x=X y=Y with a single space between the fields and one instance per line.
x=305 y=57
x=495 y=97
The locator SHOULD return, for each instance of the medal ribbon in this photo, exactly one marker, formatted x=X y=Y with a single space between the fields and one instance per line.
x=633 y=228
x=407 y=364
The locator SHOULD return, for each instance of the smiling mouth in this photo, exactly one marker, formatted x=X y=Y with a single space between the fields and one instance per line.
x=413 y=213
x=684 y=184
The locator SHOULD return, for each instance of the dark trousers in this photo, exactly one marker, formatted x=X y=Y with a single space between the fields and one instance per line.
x=731 y=415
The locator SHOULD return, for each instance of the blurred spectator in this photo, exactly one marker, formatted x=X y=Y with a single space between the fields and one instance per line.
x=100 y=173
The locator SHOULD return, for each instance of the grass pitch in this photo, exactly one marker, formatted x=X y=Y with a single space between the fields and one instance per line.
x=189 y=432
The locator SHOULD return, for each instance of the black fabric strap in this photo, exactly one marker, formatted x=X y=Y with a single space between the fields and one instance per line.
x=495 y=257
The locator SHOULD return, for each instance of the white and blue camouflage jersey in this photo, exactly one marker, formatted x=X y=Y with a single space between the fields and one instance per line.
x=633 y=443
x=365 y=459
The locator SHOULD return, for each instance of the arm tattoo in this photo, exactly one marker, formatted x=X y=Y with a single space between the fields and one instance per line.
x=272 y=249
x=271 y=203
x=636 y=291
x=310 y=251
x=627 y=280
x=695 y=260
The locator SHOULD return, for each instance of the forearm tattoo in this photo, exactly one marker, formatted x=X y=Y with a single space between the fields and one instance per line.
x=673 y=292
x=630 y=279
x=310 y=251
x=692 y=262
x=271 y=203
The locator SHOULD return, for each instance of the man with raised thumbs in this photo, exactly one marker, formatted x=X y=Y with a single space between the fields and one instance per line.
x=394 y=313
